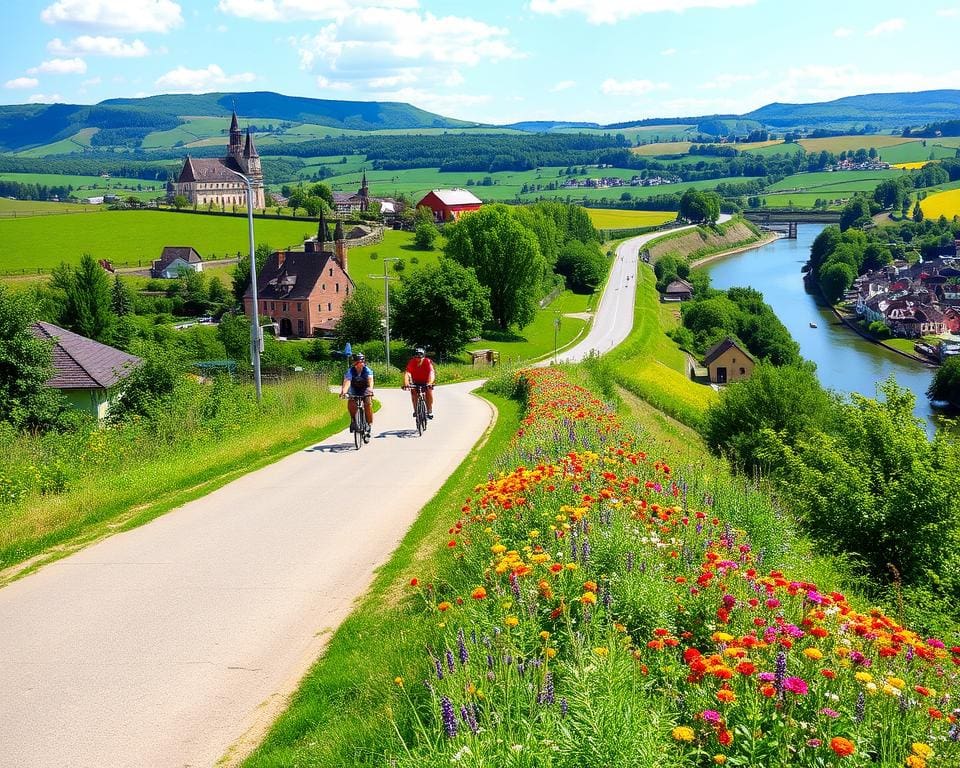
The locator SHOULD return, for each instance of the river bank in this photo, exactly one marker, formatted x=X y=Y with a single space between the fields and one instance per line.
x=767 y=239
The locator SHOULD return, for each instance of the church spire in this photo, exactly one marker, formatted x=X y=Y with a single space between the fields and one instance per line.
x=322 y=229
x=249 y=150
x=236 y=141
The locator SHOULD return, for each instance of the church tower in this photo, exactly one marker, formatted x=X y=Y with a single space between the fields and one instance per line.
x=364 y=194
x=236 y=139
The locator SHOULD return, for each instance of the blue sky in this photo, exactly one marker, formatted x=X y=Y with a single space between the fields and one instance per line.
x=486 y=60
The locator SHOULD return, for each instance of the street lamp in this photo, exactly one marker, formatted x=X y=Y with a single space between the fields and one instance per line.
x=386 y=292
x=256 y=333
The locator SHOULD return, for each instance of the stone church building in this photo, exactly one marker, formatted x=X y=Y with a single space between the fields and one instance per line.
x=205 y=180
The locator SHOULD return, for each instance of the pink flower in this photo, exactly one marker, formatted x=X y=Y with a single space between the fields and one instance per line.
x=795 y=685
x=711 y=716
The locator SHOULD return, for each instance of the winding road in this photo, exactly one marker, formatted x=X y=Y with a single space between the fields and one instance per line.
x=171 y=644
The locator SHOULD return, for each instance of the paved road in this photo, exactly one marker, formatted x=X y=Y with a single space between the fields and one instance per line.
x=614 y=318
x=164 y=645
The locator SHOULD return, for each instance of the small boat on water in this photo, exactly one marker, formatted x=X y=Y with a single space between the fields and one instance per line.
x=813 y=325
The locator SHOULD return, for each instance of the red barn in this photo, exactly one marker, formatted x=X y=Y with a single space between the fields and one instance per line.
x=450 y=204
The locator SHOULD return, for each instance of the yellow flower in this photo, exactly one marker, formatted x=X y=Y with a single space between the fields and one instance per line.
x=719 y=759
x=721 y=637
x=511 y=621
x=871 y=688
x=921 y=750
x=814 y=654
x=589 y=598
x=534 y=533
x=914 y=761
x=551 y=652
x=544 y=635
x=399 y=681
x=572 y=566
x=683 y=733
x=601 y=651
x=896 y=682
x=863 y=677
x=498 y=549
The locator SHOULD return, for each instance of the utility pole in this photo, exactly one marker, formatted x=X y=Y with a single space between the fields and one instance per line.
x=386 y=302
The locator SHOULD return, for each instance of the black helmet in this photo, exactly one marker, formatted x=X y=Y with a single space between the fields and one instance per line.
x=419 y=352
x=358 y=357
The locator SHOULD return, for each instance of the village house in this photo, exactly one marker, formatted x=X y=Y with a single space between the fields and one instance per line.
x=174 y=259
x=215 y=180
x=728 y=361
x=87 y=372
x=450 y=204
x=303 y=292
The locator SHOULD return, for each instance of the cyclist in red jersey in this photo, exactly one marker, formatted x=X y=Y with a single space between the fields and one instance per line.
x=420 y=372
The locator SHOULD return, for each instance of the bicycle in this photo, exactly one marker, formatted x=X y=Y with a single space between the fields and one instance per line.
x=361 y=431
x=420 y=412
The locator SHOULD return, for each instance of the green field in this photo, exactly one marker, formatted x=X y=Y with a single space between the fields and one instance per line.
x=776 y=149
x=834 y=182
x=92 y=186
x=135 y=238
x=21 y=208
x=79 y=142
x=194 y=129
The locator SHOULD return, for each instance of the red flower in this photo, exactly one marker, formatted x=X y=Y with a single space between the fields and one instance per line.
x=842 y=747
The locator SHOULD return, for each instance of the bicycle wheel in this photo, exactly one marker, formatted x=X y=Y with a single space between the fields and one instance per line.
x=361 y=426
x=421 y=416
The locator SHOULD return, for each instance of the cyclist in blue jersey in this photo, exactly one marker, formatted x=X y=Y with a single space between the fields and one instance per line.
x=358 y=381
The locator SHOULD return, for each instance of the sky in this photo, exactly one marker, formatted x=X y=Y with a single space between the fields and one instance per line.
x=489 y=61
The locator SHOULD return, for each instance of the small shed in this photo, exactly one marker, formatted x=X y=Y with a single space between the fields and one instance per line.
x=728 y=361
x=484 y=357
x=678 y=290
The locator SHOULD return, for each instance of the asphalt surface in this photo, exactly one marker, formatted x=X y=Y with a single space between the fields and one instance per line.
x=164 y=645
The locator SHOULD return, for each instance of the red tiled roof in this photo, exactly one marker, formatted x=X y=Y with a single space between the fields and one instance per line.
x=82 y=363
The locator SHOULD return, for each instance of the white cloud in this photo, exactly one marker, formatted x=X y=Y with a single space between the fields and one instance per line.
x=886 y=27
x=332 y=85
x=563 y=85
x=42 y=98
x=611 y=87
x=61 y=67
x=126 y=15
x=183 y=80
x=457 y=105
x=842 y=32
x=22 y=82
x=612 y=11
x=313 y=10
x=948 y=12
x=454 y=79
x=668 y=52
x=85 y=45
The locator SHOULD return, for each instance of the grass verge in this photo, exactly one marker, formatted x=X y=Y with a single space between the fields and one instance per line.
x=341 y=709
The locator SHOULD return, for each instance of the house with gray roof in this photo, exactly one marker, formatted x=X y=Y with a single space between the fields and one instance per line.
x=173 y=259
x=87 y=372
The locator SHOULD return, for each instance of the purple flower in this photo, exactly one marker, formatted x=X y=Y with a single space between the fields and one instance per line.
x=449 y=717
x=462 y=647
x=515 y=585
x=711 y=716
x=630 y=557
x=814 y=743
x=826 y=711
x=563 y=707
x=766 y=677
x=450 y=662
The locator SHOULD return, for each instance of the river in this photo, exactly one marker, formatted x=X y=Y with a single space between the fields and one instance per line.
x=845 y=361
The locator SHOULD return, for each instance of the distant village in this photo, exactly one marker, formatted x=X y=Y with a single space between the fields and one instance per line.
x=914 y=300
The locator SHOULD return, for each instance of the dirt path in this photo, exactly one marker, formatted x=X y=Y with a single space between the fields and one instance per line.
x=165 y=645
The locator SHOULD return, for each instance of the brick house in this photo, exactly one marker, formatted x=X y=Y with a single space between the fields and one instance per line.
x=728 y=361
x=450 y=204
x=303 y=291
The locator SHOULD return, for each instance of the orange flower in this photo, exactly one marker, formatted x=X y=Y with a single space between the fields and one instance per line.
x=726 y=696
x=842 y=747
x=444 y=606
x=479 y=593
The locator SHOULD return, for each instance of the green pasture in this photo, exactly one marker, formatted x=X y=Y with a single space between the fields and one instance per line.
x=79 y=142
x=92 y=186
x=833 y=182
x=636 y=193
x=780 y=148
x=802 y=199
x=192 y=130
x=134 y=238
x=21 y=208
x=915 y=151
x=647 y=134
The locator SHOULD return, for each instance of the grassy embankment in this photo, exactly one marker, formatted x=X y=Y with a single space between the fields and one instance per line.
x=61 y=492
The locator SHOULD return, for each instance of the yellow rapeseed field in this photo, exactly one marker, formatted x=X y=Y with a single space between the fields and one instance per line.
x=910 y=166
x=609 y=218
x=663 y=148
x=941 y=204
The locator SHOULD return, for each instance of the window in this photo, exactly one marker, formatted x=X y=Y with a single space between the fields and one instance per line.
x=323 y=286
x=284 y=306
x=743 y=371
x=331 y=271
x=299 y=327
x=272 y=305
x=338 y=287
x=329 y=306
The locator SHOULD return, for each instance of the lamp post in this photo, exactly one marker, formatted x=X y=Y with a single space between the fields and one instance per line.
x=386 y=293
x=256 y=333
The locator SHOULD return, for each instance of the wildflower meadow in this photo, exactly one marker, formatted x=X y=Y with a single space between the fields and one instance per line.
x=595 y=610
